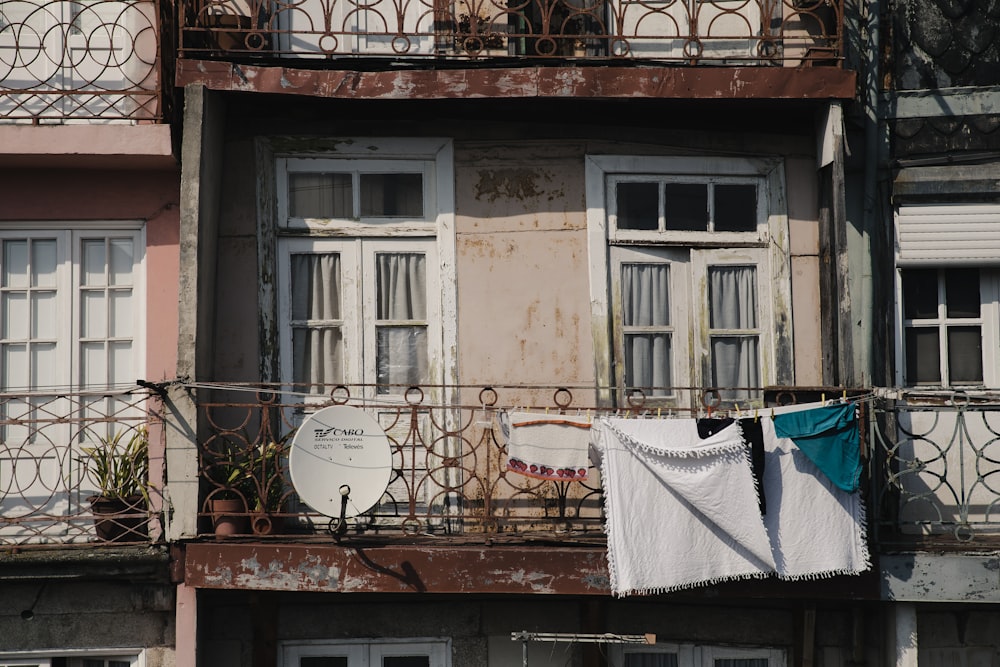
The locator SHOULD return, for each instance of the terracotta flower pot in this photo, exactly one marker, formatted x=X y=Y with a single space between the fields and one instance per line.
x=229 y=517
x=120 y=519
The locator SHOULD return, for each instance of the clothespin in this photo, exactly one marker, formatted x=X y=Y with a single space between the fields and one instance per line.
x=658 y=412
x=756 y=415
x=588 y=415
x=546 y=409
x=844 y=396
x=738 y=413
x=822 y=398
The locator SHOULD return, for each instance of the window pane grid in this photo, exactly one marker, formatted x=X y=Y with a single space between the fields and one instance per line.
x=942 y=322
x=673 y=204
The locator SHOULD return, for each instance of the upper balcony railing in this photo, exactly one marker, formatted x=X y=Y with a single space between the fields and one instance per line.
x=744 y=32
x=81 y=60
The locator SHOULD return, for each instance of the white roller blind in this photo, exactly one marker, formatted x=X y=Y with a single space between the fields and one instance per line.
x=948 y=234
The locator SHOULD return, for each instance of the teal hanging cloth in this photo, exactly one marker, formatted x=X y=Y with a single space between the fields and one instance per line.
x=829 y=437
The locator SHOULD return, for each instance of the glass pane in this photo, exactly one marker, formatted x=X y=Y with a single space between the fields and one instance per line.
x=15 y=315
x=735 y=208
x=650 y=660
x=94 y=315
x=320 y=195
x=687 y=206
x=732 y=294
x=43 y=263
x=406 y=661
x=121 y=319
x=920 y=294
x=15 y=366
x=318 y=355
x=44 y=316
x=962 y=292
x=392 y=195
x=648 y=363
x=122 y=262
x=315 y=287
x=15 y=264
x=735 y=366
x=401 y=284
x=43 y=366
x=323 y=661
x=121 y=371
x=965 y=355
x=638 y=205
x=740 y=662
x=646 y=294
x=93 y=364
x=923 y=356
x=94 y=262
x=401 y=356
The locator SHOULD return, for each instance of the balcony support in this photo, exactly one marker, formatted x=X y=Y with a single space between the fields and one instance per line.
x=648 y=82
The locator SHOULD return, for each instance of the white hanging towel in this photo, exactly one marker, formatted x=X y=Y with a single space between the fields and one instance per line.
x=680 y=510
x=549 y=446
x=816 y=529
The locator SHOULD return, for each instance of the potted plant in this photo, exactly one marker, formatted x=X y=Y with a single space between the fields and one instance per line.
x=119 y=467
x=246 y=486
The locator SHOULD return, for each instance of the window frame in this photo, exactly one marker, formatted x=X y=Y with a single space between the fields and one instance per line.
x=988 y=321
x=135 y=656
x=694 y=655
x=68 y=236
x=433 y=155
x=363 y=652
x=766 y=247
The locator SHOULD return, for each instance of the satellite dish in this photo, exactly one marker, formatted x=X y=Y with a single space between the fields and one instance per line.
x=340 y=452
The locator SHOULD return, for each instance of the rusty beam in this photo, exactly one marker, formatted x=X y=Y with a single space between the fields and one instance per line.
x=717 y=83
x=395 y=569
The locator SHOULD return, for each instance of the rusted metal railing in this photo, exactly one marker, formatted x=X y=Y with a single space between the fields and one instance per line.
x=84 y=60
x=77 y=468
x=761 y=32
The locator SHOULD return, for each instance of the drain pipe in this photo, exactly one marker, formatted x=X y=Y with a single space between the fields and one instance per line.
x=870 y=53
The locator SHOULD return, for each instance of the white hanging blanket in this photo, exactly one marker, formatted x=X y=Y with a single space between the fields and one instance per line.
x=682 y=511
x=677 y=506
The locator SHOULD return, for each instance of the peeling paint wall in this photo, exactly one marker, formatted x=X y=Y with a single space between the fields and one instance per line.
x=523 y=301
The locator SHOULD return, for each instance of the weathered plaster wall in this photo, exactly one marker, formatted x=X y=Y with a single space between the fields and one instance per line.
x=94 y=615
x=523 y=294
x=803 y=237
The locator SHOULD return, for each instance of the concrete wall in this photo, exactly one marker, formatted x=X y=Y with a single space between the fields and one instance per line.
x=67 y=616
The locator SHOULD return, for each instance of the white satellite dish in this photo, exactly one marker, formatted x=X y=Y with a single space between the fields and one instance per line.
x=340 y=452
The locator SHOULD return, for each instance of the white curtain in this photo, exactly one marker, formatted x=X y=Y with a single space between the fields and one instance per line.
x=317 y=334
x=401 y=319
x=733 y=307
x=646 y=303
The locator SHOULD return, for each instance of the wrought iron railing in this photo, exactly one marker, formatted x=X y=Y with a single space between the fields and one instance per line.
x=81 y=60
x=936 y=462
x=685 y=31
x=75 y=468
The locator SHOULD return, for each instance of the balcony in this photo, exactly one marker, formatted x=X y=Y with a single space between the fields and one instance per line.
x=932 y=462
x=56 y=488
x=692 y=32
x=91 y=60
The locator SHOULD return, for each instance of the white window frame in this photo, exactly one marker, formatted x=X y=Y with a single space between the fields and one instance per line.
x=68 y=235
x=434 y=158
x=358 y=296
x=988 y=321
x=366 y=652
x=766 y=247
x=692 y=655
x=136 y=657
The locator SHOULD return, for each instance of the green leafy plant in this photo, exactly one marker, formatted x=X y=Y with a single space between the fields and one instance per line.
x=119 y=465
x=251 y=474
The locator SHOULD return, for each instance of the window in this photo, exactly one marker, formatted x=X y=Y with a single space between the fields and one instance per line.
x=691 y=271
x=371 y=653
x=688 y=655
x=71 y=318
x=365 y=254
x=74 y=659
x=946 y=315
